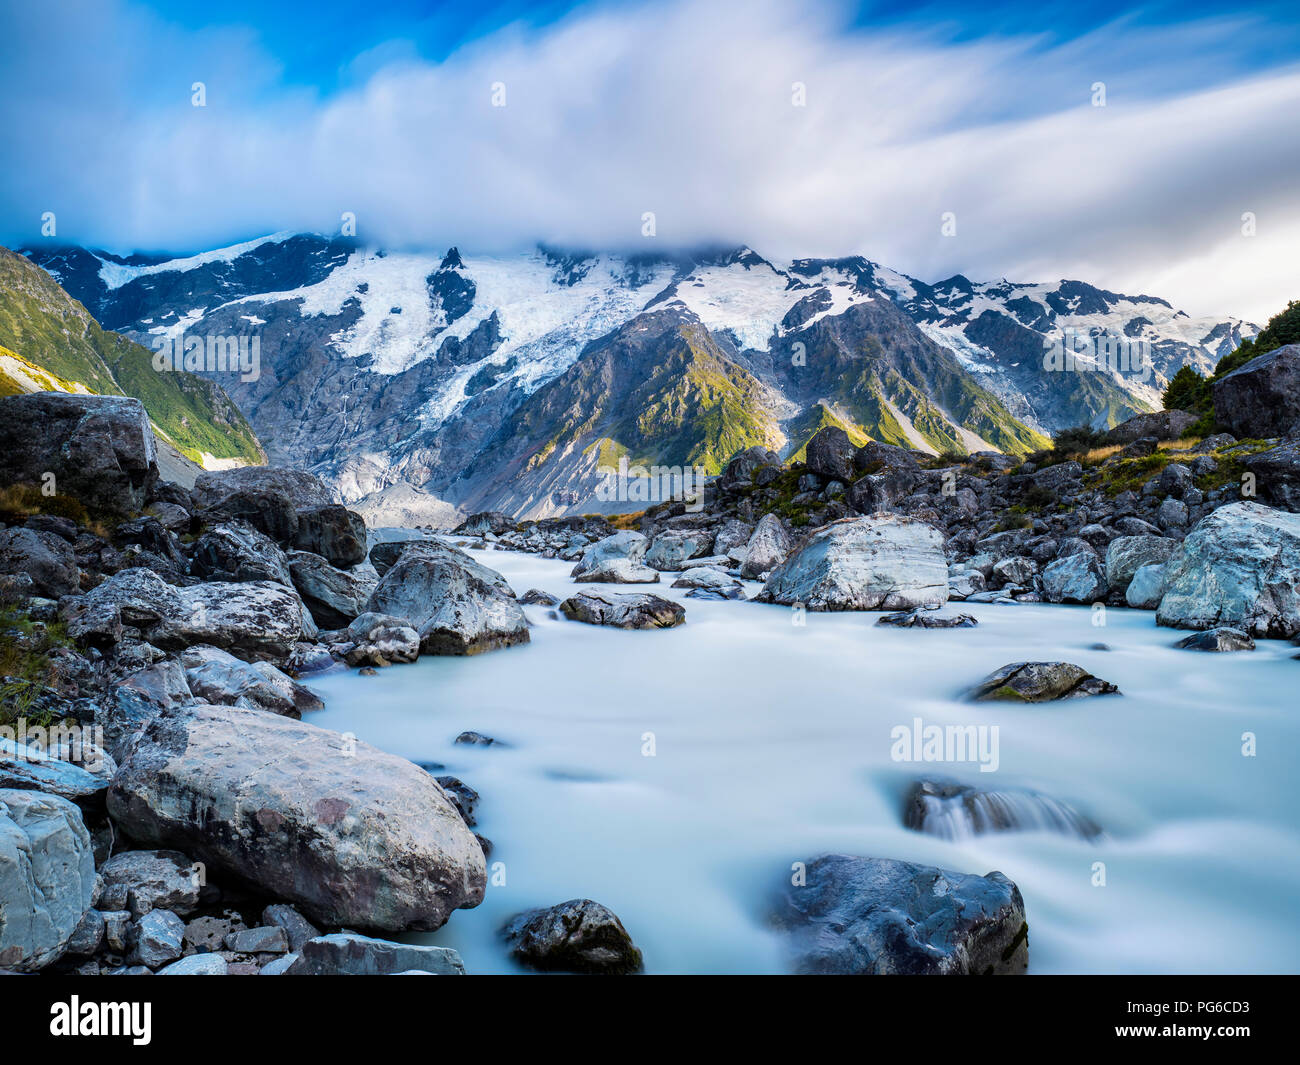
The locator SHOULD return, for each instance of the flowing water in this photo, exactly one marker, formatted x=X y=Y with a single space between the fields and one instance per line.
x=675 y=775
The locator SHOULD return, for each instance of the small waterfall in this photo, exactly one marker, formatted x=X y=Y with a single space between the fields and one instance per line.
x=960 y=811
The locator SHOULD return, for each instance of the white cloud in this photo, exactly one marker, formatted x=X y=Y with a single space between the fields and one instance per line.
x=684 y=109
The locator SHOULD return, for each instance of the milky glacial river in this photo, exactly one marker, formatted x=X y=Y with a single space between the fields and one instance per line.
x=772 y=743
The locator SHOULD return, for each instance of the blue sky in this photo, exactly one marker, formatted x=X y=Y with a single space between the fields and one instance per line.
x=683 y=109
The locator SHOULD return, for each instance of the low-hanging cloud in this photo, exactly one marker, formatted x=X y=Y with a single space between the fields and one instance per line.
x=770 y=124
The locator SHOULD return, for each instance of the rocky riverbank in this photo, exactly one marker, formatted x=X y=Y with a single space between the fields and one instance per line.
x=165 y=807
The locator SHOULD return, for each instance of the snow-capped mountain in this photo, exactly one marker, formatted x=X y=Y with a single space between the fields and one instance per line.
x=422 y=384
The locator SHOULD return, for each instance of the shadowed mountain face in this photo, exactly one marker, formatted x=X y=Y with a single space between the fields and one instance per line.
x=430 y=383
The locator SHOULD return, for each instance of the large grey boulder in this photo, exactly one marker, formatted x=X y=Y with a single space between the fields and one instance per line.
x=216 y=676
x=30 y=769
x=381 y=640
x=48 y=560
x=349 y=954
x=47 y=877
x=616 y=559
x=236 y=551
x=1277 y=474
x=99 y=449
x=884 y=562
x=334 y=532
x=140 y=881
x=768 y=546
x=458 y=606
x=633 y=610
x=830 y=453
x=742 y=467
x=1262 y=398
x=1239 y=566
x=268 y=497
x=258 y=617
x=578 y=936
x=1147 y=587
x=334 y=596
x=1074 y=579
x=353 y=836
x=1039 y=682
x=674 y=547
x=878 y=916
x=1159 y=425
x=1217 y=640
x=1125 y=555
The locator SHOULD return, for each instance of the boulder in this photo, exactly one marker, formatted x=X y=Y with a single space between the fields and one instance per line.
x=616 y=571
x=267 y=939
x=674 y=547
x=1262 y=398
x=257 y=617
x=1040 y=682
x=30 y=769
x=140 y=881
x=485 y=522
x=384 y=555
x=350 y=834
x=99 y=449
x=536 y=597
x=1160 y=425
x=1147 y=587
x=731 y=538
x=1239 y=566
x=741 y=469
x=47 y=877
x=349 y=954
x=381 y=640
x=48 y=560
x=1125 y=555
x=267 y=497
x=632 y=610
x=830 y=453
x=197 y=965
x=155 y=939
x=334 y=596
x=709 y=579
x=578 y=936
x=296 y=927
x=458 y=606
x=1219 y=639
x=884 y=562
x=218 y=677
x=927 y=619
x=874 y=456
x=879 y=916
x=334 y=532
x=235 y=551
x=1277 y=474
x=1074 y=579
x=767 y=547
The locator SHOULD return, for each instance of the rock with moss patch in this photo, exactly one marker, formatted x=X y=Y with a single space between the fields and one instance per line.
x=1040 y=682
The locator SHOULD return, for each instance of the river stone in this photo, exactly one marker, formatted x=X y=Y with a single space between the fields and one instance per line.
x=883 y=562
x=216 y=676
x=458 y=606
x=709 y=578
x=197 y=965
x=927 y=619
x=296 y=927
x=1218 y=639
x=1040 y=682
x=1147 y=587
x=536 y=597
x=99 y=449
x=267 y=939
x=634 y=610
x=578 y=936
x=1074 y=579
x=879 y=916
x=236 y=551
x=1127 y=554
x=27 y=768
x=381 y=640
x=47 y=877
x=767 y=548
x=617 y=571
x=140 y=881
x=334 y=596
x=334 y=532
x=155 y=939
x=268 y=497
x=349 y=954
x=1261 y=399
x=731 y=538
x=352 y=835
x=89 y=935
x=48 y=560
x=672 y=548
x=1239 y=566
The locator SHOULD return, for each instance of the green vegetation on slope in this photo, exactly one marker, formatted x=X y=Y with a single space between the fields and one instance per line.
x=49 y=329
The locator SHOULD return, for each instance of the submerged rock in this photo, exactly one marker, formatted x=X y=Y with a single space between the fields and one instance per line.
x=951 y=810
x=578 y=936
x=878 y=916
x=352 y=835
x=631 y=610
x=536 y=597
x=1219 y=639
x=1040 y=682
x=884 y=562
x=927 y=619
x=1240 y=567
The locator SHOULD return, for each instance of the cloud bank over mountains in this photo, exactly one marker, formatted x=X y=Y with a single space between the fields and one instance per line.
x=784 y=126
